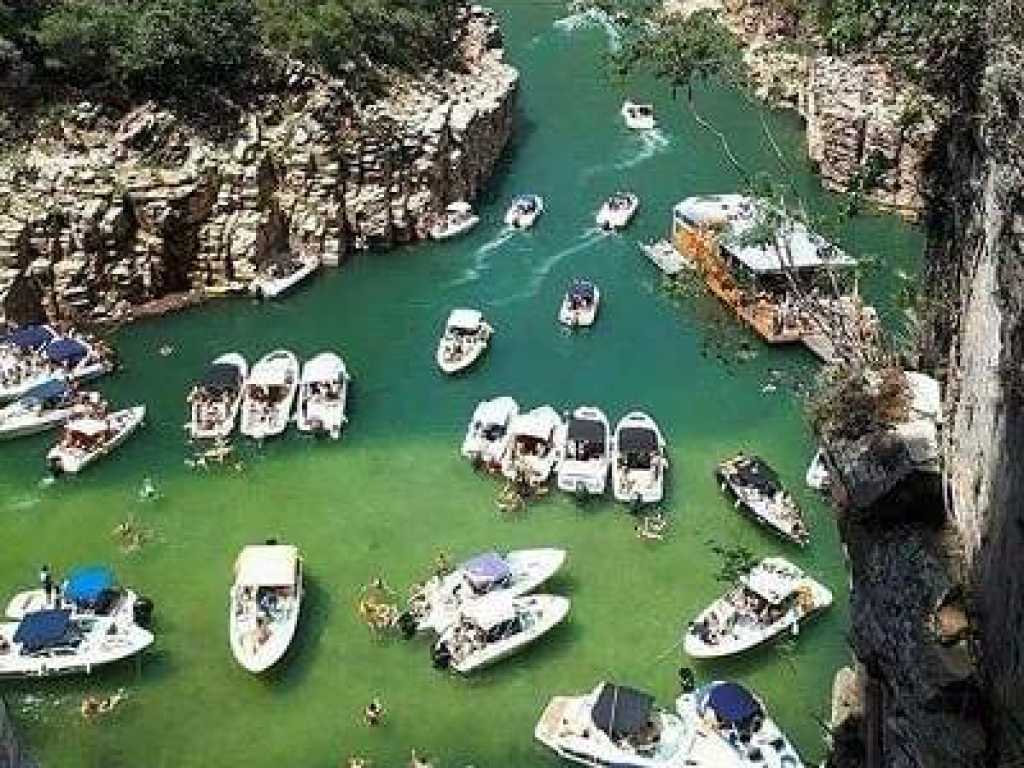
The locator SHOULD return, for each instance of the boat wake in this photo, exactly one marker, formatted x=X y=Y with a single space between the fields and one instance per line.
x=647 y=144
x=592 y=17
x=586 y=240
x=472 y=273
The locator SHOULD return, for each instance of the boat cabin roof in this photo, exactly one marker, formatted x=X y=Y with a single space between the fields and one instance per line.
x=731 y=703
x=587 y=430
x=40 y=630
x=496 y=411
x=754 y=472
x=48 y=391
x=221 y=377
x=465 y=319
x=538 y=423
x=267 y=565
x=621 y=711
x=795 y=247
x=324 y=367
x=637 y=440
x=774 y=579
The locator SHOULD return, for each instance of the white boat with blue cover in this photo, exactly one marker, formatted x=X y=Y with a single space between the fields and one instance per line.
x=436 y=604
x=266 y=600
x=524 y=211
x=487 y=436
x=323 y=394
x=580 y=304
x=586 y=456
x=217 y=397
x=639 y=460
x=45 y=407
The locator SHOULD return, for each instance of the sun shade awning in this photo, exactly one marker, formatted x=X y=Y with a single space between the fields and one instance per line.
x=221 y=377
x=587 y=430
x=40 y=630
x=52 y=389
x=497 y=609
x=754 y=472
x=620 y=711
x=267 y=565
x=731 y=703
x=66 y=351
x=86 y=584
x=465 y=319
x=487 y=571
x=637 y=440
x=30 y=337
x=581 y=289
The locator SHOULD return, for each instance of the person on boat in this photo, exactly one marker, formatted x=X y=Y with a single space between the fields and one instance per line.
x=46 y=582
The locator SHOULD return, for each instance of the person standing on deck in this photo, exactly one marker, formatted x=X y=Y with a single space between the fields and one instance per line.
x=46 y=582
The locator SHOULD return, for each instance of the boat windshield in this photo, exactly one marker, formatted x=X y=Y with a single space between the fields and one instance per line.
x=492 y=432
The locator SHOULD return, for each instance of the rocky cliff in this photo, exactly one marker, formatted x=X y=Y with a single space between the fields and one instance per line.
x=109 y=212
x=11 y=754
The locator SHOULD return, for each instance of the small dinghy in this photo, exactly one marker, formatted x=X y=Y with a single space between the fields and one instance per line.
x=638 y=117
x=46 y=407
x=89 y=438
x=758 y=492
x=639 y=461
x=524 y=211
x=579 y=305
x=587 y=455
x=216 y=399
x=323 y=393
x=734 y=729
x=615 y=725
x=774 y=597
x=266 y=598
x=535 y=447
x=280 y=278
x=489 y=630
x=436 y=604
x=466 y=336
x=817 y=477
x=618 y=210
x=487 y=437
x=458 y=219
x=270 y=395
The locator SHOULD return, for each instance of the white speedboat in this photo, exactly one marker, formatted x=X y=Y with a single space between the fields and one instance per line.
x=638 y=117
x=579 y=305
x=773 y=598
x=47 y=406
x=89 y=438
x=757 y=491
x=216 y=399
x=639 y=461
x=817 y=477
x=615 y=725
x=587 y=453
x=618 y=210
x=266 y=599
x=524 y=211
x=734 y=729
x=282 y=277
x=535 y=446
x=270 y=394
x=487 y=436
x=458 y=219
x=437 y=603
x=496 y=627
x=323 y=393
x=466 y=336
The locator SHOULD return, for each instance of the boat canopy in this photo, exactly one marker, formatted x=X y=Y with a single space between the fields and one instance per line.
x=40 y=630
x=496 y=411
x=526 y=203
x=66 y=350
x=586 y=430
x=84 y=586
x=538 y=423
x=30 y=337
x=774 y=579
x=272 y=370
x=326 y=366
x=582 y=289
x=637 y=440
x=48 y=391
x=622 y=712
x=754 y=472
x=267 y=565
x=465 y=319
x=88 y=427
x=460 y=206
x=487 y=571
x=732 y=704
x=222 y=377
x=495 y=610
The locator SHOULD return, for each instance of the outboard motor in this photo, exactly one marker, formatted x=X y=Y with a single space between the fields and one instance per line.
x=686 y=680
x=406 y=624
x=56 y=467
x=441 y=656
x=142 y=612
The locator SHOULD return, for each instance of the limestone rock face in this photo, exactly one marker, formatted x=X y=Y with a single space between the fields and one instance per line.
x=11 y=753
x=111 y=215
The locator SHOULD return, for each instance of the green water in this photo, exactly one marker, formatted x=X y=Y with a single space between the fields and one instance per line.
x=393 y=491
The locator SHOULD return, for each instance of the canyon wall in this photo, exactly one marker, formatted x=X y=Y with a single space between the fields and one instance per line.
x=110 y=214
x=11 y=754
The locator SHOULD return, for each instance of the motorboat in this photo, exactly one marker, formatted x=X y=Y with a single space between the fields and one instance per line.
x=270 y=394
x=615 y=725
x=216 y=399
x=323 y=393
x=524 y=211
x=266 y=599
x=45 y=407
x=757 y=491
x=734 y=729
x=772 y=598
x=280 y=277
x=88 y=438
x=458 y=219
x=434 y=605
x=817 y=477
x=535 y=446
x=638 y=117
x=579 y=305
x=489 y=630
x=487 y=437
x=618 y=210
x=77 y=359
x=639 y=460
x=587 y=454
x=466 y=336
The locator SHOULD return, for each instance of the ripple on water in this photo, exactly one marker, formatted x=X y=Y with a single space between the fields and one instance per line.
x=592 y=17
x=473 y=272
